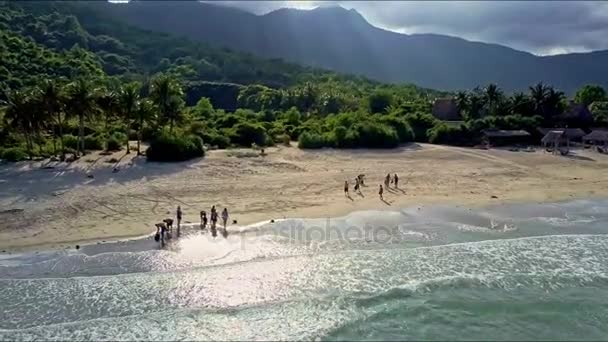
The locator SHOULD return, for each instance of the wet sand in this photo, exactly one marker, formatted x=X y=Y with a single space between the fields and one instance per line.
x=59 y=207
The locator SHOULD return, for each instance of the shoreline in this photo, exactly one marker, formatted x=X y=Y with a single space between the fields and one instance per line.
x=63 y=207
x=107 y=241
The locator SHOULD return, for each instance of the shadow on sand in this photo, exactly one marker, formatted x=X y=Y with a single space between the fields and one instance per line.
x=54 y=178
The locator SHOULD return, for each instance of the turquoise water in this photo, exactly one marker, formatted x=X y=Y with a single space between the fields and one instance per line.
x=518 y=272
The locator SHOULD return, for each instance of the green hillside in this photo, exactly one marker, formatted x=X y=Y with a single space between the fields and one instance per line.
x=75 y=79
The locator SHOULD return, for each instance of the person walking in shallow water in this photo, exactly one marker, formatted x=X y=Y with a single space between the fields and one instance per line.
x=225 y=217
x=380 y=192
x=179 y=218
x=346 y=194
x=203 y=219
x=213 y=217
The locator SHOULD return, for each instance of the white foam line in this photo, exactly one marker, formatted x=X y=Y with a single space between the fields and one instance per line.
x=256 y=260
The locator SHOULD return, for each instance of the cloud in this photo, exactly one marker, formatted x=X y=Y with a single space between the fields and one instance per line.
x=541 y=27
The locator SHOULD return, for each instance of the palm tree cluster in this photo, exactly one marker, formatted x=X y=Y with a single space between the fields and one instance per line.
x=43 y=111
x=542 y=100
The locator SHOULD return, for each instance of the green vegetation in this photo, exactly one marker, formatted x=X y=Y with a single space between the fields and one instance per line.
x=73 y=82
x=169 y=147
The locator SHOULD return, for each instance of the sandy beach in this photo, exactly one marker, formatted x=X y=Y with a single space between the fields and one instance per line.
x=59 y=205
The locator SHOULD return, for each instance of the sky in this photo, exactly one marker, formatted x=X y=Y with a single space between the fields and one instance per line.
x=540 y=27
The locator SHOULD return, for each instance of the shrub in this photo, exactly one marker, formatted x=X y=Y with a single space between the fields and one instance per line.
x=376 y=135
x=14 y=154
x=175 y=148
x=70 y=141
x=149 y=133
x=93 y=142
x=403 y=129
x=114 y=142
x=215 y=138
x=310 y=140
x=132 y=134
x=246 y=133
x=420 y=124
x=285 y=139
x=444 y=134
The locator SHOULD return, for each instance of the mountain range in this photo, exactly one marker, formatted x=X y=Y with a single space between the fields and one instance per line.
x=343 y=40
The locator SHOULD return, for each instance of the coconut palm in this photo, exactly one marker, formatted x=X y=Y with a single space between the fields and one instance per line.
x=538 y=95
x=492 y=96
x=144 y=112
x=554 y=102
x=462 y=102
x=108 y=104
x=52 y=100
x=520 y=104
x=128 y=99
x=167 y=95
x=19 y=111
x=82 y=103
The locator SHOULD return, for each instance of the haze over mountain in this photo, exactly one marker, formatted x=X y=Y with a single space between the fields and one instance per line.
x=342 y=40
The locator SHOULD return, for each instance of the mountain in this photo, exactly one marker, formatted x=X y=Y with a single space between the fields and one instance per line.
x=61 y=39
x=342 y=40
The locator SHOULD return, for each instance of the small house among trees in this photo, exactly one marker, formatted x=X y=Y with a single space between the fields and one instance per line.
x=576 y=114
x=446 y=109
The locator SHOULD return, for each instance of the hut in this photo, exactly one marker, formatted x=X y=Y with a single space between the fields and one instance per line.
x=573 y=134
x=597 y=137
x=446 y=109
x=506 y=137
x=555 y=139
x=576 y=114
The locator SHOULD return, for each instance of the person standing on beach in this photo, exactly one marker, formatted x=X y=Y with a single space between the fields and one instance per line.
x=380 y=192
x=225 y=217
x=179 y=218
x=346 y=189
x=396 y=181
x=203 y=219
x=357 y=185
x=213 y=217
x=387 y=179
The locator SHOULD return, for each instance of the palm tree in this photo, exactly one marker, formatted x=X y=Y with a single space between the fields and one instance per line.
x=538 y=94
x=492 y=95
x=145 y=111
x=19 y=110
x=475 y=106
x=167 y=96
x=82 y=103
x=520 y=103
x=108 y=104
x=52 y=100
x=128 y=99
x=554 y=102
x=462 y=102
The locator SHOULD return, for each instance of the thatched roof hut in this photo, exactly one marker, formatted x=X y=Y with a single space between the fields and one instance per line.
x=554 y=137
x=446 y=109
x=497 y=137
x=570 y=133
x=576 y=113
x=597 y=137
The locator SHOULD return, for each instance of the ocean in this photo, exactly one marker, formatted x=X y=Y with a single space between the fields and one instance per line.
x=509 y=272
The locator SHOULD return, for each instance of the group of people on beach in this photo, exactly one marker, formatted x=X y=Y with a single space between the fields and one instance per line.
x=360 y=181
x=164 y=229
x=213 y=218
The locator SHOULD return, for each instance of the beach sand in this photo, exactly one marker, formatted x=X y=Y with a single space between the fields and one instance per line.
x=59 y=207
